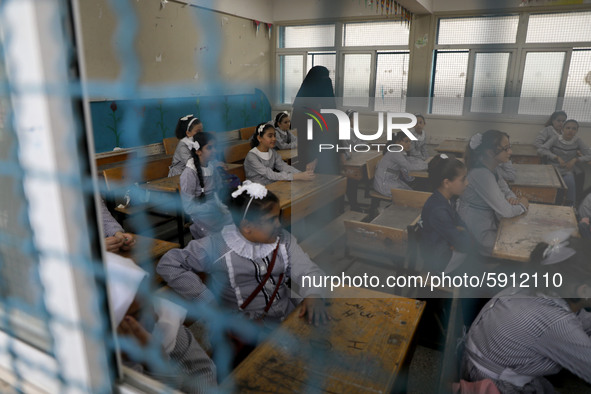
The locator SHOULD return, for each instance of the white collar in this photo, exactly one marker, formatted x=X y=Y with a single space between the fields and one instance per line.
x=206 y=171
x=262 y=155
x=565 y=142
x=243 y=247
x=189 y=142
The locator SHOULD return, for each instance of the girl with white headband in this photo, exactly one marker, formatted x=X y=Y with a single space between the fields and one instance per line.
x=487 y=197
x=264 y=165
x=285 y=138
x=185 y=131
x=249 y=263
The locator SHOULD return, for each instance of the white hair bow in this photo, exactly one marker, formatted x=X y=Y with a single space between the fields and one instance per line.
x=186 y=117
x=557 y=250
x=443 y=156
x=254 y=190
x=475 y=141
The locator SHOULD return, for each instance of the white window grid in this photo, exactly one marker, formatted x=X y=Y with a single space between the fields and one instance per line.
x=515 y=72
x=338 y=78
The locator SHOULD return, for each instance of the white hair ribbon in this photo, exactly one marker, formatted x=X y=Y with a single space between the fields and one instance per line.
x=186 y=117
x=254 y=190
x=475 y=141
x=557 y=250
x=444 y=156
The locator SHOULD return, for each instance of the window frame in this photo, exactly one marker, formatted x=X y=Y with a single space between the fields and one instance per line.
x=340 y=51
x=519 y=51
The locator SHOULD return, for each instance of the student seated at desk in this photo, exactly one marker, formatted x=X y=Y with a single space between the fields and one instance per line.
x=249 y=262
x=392 y=170
x=525 y=334
x=563 y=153
x=186 y=129
x=151 y=325
x=552 y=128
x=264 y=165
x=444 y=239
x=487 y=197
x=585 y=217
x=115 y=237
x=200 y=183
x=418 y=148
x=285 y=138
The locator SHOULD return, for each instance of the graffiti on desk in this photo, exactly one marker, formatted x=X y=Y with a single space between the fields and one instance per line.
x=357 y=345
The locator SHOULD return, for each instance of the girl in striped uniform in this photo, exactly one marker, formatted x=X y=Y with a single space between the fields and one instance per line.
x=564 y=152
x=552 y=128
x=249 y=263
x=524 y=334
x=285 y=138
x=186 y=128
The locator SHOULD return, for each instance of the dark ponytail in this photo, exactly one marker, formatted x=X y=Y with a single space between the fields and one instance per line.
x=442 y=167
x=279 y=117
x=554 y=116
x=203 y=139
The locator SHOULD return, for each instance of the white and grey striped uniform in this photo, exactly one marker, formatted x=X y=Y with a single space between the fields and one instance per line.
x=182 y=154
x=392 y=172
x=267 y=167
x=544 y=135
x=285 y=139
x=418 y=148
x=520 y=337
x=236 y=266
x=210 y=214
x=585 y=207
x=110 y=225
x=557 y=146
x=483 y=203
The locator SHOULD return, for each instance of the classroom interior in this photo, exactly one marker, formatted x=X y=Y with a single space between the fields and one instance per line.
x=463 y=67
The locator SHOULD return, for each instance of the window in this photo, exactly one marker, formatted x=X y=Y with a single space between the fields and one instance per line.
x=369 y=69
x=479 y=62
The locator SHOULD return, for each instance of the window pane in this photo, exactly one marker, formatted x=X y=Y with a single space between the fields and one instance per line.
x=391 y=81
x=490 y=76
x=326 y=59
x=449 y=83
x=306 y=36
x=478 y=30
x=541 y=81
x=291 y=71
x=577 y=96
x=375 y=33
x=356 y=80
x=563 y=27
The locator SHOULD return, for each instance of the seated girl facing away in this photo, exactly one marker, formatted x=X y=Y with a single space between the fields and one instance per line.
x=524 y=334
x=264 y=165
x=444 y=238
x=249 y=263
x=392 y=170
x=487 y=196
x=200 y=185
x=285 y=138
x=186 y=129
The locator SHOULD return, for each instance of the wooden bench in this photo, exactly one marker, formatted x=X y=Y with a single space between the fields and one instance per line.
x=247 y=132
x=323 y=238
x=114 y=157
x=170 y=145
x=236 y=151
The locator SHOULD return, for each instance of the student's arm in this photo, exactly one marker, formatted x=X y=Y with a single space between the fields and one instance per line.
x=281 y=165
x=405 y=166
x=585 y=151
x=507 y=171
x=544 y=150
x=281 y=142
x=490 y=191
x=179 y=268
x=541 y=138
x=194 y=362
x=253 y=164
x=190 y=189
x=567 y=344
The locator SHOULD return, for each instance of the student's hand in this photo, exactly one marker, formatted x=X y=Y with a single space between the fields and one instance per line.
x=311 y=166
x=315 y=310
x=130 y=327
x=513 y=201
x=113 y=244
x=127 y=238
x=585 y=221
x=570 y=164
x=560 y=161
x=524 y=202
x=304 y=176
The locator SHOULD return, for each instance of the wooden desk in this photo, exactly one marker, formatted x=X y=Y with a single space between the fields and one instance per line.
x=298 y=199
x=361 y=350
x=517 y=237
x=236 y=151
x=147 y=253
x=537 y=182
x=288 y=154
x=521 y=153
x=398 y=217
x=356 y=167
